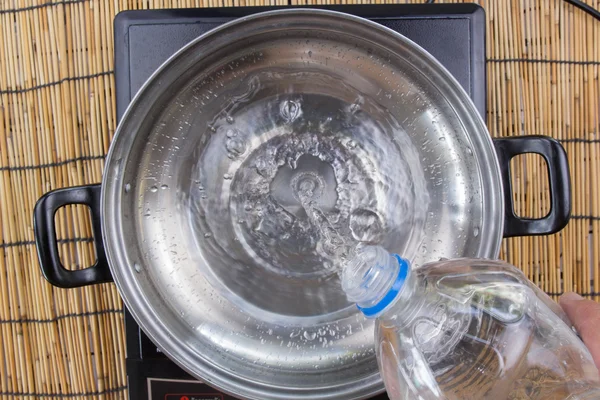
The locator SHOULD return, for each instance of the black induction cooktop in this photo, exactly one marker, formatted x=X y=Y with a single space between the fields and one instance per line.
x=453 y=33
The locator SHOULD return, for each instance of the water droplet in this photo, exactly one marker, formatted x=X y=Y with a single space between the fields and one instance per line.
x=229 y=119
x=127 y=187
x=442 y=138
x=365 y=226
x=227 y=177
x=290 y=110
x=232 y=133
x=164 y=187
x=262 y=167
x=469 y=151
x=476 y=231
x=207 y=235
x=153 y=189
x=235 y=146
x=351 y=144
x=310 y=335
x=137 y=267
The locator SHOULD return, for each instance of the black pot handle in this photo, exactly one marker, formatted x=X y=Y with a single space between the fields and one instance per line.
x=558 y=175
x=47 y=245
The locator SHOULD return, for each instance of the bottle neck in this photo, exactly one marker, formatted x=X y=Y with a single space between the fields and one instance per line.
x=407 y=303
x=375 y=279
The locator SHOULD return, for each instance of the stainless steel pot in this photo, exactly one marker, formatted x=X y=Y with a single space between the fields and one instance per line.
x=199 y=219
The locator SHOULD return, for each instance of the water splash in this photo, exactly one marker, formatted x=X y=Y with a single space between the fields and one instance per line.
x=296 y=179
x=290 y=110
x=334 y=244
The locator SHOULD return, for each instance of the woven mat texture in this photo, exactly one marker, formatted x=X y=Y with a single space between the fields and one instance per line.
x=57 y=118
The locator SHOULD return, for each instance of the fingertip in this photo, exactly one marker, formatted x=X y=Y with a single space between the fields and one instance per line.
x=585 y=316
x=569 y=297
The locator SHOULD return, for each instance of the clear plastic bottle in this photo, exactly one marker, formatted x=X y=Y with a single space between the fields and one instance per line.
x=467 y=329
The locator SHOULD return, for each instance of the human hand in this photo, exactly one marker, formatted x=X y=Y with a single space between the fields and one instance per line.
x=585 y=316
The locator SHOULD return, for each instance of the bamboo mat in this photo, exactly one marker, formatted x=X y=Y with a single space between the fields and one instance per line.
x=57 y=113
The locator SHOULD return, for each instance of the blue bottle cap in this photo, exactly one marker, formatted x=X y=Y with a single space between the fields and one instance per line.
x=392 y=292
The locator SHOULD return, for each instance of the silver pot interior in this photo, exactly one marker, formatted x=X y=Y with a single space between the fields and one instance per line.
x=211 y=241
